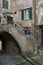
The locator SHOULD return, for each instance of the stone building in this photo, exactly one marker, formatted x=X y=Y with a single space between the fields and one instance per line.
x=40 y=20
x=38 y=14
x=16 y=23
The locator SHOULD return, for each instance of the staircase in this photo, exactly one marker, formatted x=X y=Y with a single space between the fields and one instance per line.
x=18 y=34
x=25 y=42
x=22 y=39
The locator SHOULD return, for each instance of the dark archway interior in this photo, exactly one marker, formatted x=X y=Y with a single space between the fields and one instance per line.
x=9 y=44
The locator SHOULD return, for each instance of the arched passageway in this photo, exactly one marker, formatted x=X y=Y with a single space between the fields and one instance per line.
x=8 y=44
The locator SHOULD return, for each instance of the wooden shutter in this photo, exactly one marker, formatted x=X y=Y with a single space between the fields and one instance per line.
x=6 y=4
x=30 y=13
x=22 y=14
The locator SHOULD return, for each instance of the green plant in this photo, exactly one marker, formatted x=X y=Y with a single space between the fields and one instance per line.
x=18 y=59
x=30 y=54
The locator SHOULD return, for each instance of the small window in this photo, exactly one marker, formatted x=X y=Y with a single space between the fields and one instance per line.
x=10 y=20
x=26 y=14
x=27 y=32
x=6 y=4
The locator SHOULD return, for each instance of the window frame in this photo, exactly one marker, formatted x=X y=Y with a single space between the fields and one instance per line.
x=29 y=14
x=26 y=14
x=26 y=31
x=6 y=7
x=9 y=18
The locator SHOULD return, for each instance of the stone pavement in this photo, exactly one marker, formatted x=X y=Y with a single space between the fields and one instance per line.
x=39 y=57
x=7 y=59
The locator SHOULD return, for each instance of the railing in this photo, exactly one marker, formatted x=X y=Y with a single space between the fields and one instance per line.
x=30 y=37
x=20 y=29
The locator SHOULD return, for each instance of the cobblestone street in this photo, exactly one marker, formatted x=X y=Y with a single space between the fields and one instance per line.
x=6 y=59
x=39 y=57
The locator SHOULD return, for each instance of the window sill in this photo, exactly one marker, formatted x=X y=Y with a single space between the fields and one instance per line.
x=26 y=19
x=28 y=36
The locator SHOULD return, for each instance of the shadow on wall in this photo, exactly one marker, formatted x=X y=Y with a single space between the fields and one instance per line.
x=8 y=44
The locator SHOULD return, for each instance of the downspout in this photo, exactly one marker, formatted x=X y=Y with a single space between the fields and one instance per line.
x=34 y=26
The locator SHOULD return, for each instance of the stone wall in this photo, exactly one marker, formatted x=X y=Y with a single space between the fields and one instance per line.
x=19 y=5
x=12 y=48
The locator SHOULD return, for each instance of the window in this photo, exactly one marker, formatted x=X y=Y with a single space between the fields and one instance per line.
x=5 y=4
x=27 y=32
x=26 y=14
x=10 y=20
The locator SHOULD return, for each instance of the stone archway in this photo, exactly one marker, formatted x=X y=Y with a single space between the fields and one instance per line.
x=9 y=44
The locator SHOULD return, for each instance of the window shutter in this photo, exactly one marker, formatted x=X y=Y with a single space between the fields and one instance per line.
x=22 y=14
x=6 y=4
x=30 y=13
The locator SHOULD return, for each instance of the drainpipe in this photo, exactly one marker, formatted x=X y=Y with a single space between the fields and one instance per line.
x=34 y=26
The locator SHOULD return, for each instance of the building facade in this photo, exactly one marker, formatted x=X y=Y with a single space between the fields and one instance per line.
x=39 y=22
x=18 y=16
